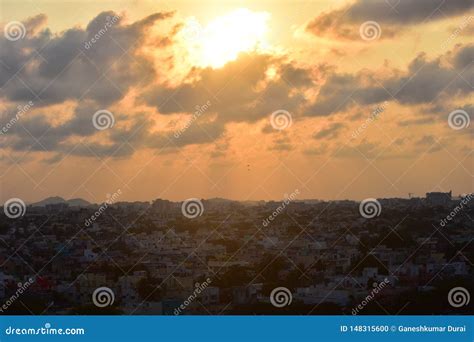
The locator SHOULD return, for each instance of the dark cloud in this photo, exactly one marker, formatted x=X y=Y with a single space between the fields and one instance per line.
x=296 y=77
x=426 y=140
x=391 y=16
x=407 y=11
x=424 y=82
x=36 y=132
x=330 y=132
x=100 y=62
x=464 y=58
x=427 y=80
x=428 y=143
x=234 y=90
x=341 y=91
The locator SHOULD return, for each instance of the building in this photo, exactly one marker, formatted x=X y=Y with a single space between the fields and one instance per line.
x=438 y=198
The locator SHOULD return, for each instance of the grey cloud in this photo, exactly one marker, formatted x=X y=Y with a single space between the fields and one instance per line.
x=36 y=132
x=426 y=140
x=392 y=17
x=464 y=58
x=407 y=11
x=341 y=91
x=425 y=81
x=232 y=91
x=142 y=135
x=430 y=142
x=71 y=66
x=330 y=132
x=414 y=122
x=297 y=77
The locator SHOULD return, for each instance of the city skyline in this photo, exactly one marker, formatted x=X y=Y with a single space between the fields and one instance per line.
x=59 y=199
x=382 y=257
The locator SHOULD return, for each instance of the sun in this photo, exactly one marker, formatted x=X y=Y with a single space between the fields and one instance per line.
x=223 y=38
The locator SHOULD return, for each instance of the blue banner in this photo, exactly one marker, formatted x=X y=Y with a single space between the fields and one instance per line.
x=237 y=328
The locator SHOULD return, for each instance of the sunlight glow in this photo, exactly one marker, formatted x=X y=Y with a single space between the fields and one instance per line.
x=222 y=39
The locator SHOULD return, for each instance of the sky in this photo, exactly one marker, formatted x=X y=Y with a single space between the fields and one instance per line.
x=245 y=100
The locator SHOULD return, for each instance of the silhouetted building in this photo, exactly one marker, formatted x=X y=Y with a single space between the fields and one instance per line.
x=438 y=198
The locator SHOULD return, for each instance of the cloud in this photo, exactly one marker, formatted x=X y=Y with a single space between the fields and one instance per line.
x=330 y=132
x=281 y=144
x=100 y=62
x=316 y=151
x=415 y=122
x=240 y=91
x=364 y=149
x=344 y=22
x=341 y=91
x=426 y=140
x=94 y=68
x=35 y=132
x=424 y=82
x=232 y=94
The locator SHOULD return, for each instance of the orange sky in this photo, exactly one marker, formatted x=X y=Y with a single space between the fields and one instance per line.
x=235 y=99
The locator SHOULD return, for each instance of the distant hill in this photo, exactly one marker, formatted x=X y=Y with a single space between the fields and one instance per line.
x=75 y=202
